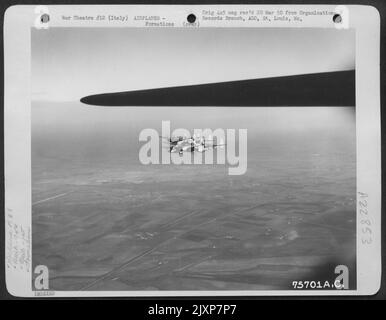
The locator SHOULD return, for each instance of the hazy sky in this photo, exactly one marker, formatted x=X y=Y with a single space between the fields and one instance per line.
x=69 y=63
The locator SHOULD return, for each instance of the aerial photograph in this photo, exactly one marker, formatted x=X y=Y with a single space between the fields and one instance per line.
x=109 y=213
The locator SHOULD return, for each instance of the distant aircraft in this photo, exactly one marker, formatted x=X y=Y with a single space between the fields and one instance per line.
x=183 y=144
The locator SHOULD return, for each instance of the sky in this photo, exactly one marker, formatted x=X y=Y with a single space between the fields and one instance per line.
x=69 y=63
